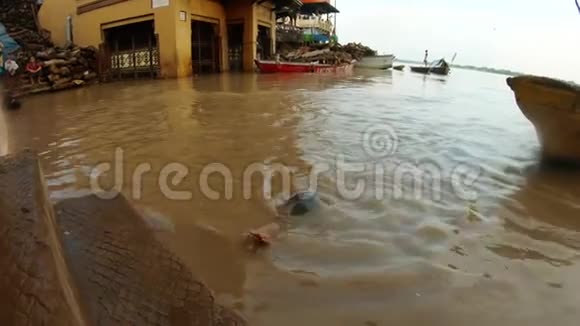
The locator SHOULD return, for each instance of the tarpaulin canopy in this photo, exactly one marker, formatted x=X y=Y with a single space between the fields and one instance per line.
x=10 y=45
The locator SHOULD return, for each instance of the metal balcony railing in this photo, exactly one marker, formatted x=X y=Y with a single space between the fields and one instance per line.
x=138 y=60
x=323 y=25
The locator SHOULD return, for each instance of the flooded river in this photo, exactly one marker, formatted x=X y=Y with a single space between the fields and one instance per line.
x=456 y=223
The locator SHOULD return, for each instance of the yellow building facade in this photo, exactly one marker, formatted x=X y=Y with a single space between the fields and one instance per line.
x=190 y=36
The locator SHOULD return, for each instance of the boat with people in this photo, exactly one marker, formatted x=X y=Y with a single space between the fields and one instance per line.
x=441 y=67
x=381 y=62
x=266 y=66
x=553 y=107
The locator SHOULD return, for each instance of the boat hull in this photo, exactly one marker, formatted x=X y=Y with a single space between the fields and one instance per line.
x=553 y=107
x=295 y=67
x=431 y=70
x=376 y=62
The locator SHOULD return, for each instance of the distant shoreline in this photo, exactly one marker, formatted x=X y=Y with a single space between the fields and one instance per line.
x=505 y=72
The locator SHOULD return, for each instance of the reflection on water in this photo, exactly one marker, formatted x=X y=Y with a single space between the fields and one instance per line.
x=434 y=258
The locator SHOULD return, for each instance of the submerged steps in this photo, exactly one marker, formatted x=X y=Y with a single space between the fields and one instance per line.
x=94 y=262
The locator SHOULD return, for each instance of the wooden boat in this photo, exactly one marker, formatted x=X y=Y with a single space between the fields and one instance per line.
x=382 y=62
x=553 y=107
x=399 y=67
x=294 y=67
x=440 y=68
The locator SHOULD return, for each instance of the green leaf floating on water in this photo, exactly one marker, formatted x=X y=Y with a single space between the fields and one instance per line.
x=473 y=214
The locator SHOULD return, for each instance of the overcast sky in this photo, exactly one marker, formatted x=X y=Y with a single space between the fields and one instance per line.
x=531 y=36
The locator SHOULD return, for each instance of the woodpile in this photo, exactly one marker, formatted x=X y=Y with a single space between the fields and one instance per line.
x=326 y=53
x=62 y=68
x=73 y=62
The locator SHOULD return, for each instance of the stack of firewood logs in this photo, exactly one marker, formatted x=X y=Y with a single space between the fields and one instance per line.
x=68 y=67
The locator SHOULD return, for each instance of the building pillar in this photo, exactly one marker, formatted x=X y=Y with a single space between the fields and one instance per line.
x=165 y=30
x=174 y=39
x=250 y=37
x=225 y=59
x=183 y=38
x=273 y=34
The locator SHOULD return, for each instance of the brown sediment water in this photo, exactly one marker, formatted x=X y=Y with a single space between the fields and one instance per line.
x=509 y=256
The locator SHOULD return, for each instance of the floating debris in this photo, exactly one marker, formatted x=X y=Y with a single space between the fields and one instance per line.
x=453 y=267
x=555 y=285
x=458 y=250
x=473 y=214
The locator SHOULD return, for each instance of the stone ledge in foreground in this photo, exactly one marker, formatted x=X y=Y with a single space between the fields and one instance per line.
x=95 y=263
x=32 y=283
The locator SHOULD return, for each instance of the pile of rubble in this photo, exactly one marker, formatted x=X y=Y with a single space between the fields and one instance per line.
x=328 y=53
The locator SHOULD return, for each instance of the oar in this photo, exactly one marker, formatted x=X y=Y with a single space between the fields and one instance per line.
x=578 y=5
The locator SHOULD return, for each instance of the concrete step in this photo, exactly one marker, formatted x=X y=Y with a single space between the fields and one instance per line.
x=94 y=263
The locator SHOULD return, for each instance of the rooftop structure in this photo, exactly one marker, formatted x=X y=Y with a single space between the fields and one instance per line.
x=311 y=23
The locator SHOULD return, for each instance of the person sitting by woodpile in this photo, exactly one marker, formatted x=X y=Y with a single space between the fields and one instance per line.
x=34 y=68
x=11 y=66
x=11 y=83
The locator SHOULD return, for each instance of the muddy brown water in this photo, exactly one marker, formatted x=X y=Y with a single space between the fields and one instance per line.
x=506 y=256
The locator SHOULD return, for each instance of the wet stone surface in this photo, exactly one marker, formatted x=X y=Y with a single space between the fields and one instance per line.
x=119 y=273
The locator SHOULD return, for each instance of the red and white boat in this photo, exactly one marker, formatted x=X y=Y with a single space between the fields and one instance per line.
x=279 y=66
